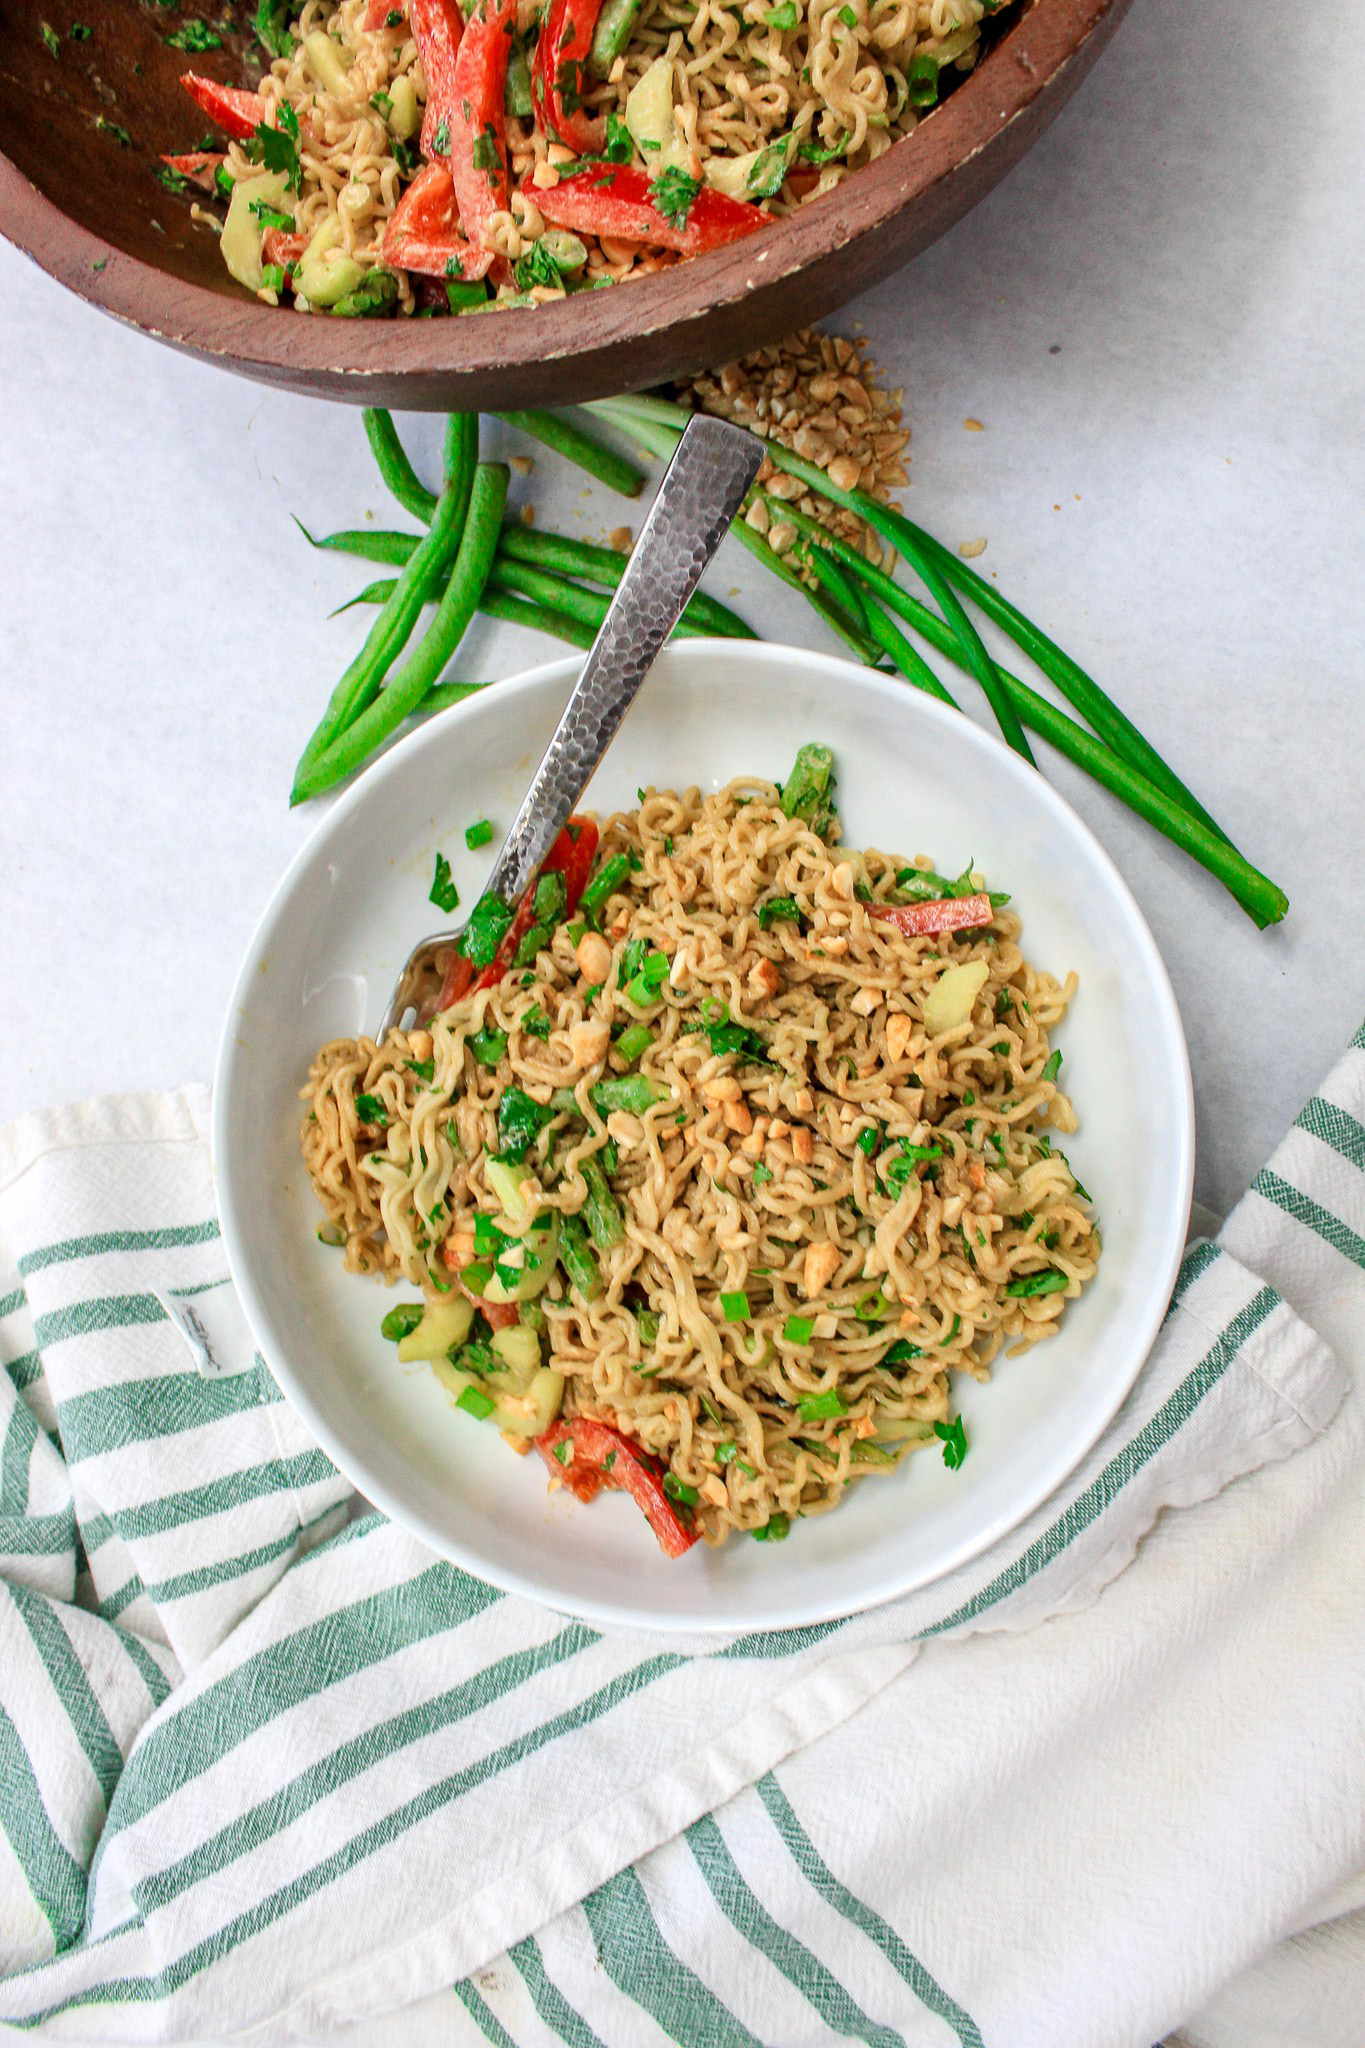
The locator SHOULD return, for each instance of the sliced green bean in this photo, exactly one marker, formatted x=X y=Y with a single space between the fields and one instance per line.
x=579 y=447
x=390 y=632
x=612 y=33
x=423 y=667
x=601 y=1211
x=576 y=1257
x=634 y=1093
x=394 y=466
x=609 y=877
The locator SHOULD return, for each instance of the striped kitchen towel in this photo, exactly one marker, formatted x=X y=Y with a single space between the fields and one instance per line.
x=270 y=1769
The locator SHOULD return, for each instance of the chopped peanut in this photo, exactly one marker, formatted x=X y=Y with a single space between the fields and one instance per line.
x=724 y=1088
x=803 y=1102
x=864 y=1427
x=752 y=1148
x=459 y=1247
x=834 y=946
x=779 y=1128
x=737 y=1117
x=520 y=1444
x=713 y=1489
x=976 y=1174
x=822 y=1263
x=841 y=881
x=593 y=955
x=803 y=1145
x=589 y=1040
x=764 y=978
x=900 y=1030
x=865 y=1001
x=419 y=1044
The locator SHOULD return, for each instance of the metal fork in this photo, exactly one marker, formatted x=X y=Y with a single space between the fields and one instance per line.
x=703 y=488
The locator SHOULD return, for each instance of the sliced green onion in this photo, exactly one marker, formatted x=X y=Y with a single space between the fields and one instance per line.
x=799 y=1329
x=735 y=1306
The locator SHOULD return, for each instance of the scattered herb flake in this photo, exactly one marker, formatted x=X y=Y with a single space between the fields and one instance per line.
x=443 y=892
x=953 y=1437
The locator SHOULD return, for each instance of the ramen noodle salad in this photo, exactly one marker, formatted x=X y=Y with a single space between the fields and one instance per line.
x=409 y=157
x=718 y=1161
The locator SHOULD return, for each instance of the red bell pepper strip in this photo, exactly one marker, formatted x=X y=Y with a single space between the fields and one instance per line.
x=559 y=76
x=280 y=246
x=421 y=235
x=459 y=975
x=437 y=28
x=624 y=204
x=477 y=122
x=378 y=12
x=237 y=113
x=950 y=914
x=198 y=165
x=572 y=855
x=599 y=1456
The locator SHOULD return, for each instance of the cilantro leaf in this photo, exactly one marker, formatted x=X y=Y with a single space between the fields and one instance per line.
x=953 y=1437
x=443 y=892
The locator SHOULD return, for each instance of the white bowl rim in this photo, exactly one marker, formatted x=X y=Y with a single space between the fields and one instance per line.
x=295 y=1388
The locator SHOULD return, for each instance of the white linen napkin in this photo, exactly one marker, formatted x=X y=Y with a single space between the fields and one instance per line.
x=269 y=1771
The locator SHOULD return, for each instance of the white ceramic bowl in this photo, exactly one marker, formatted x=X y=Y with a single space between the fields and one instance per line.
x=913 y=777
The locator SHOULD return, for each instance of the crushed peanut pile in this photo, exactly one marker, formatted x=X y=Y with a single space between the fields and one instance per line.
x=819 y=396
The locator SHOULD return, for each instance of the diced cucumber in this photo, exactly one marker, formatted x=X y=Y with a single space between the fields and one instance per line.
x=531 y=1258
x=949 y=1002
x=325 y=61
x=443 y=1323
x=323 y=283
x=240 y=241
x=505 y=1182
x=649 y=117
x=405 y=116
x=758 y=174
x=519 y=1350
x=528 y=1414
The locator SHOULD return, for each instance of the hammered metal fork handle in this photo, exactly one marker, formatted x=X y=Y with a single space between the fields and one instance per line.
x=703 y=488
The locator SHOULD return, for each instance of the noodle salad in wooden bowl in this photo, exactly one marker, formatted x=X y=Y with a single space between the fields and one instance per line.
x=738 y=1171
x=736 y=170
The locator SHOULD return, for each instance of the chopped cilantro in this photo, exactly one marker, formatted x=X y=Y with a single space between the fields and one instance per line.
x=520 y=1121
x=50 y=38
x=678 y=1489
x=1053 y=1067
x=279 y=147
x=488 y=1046
x=953 y=1437
x=488 y=922
x=762 y=1174
x=778 y=908
x=194 y=35
x=674 y=191
x=370 y=1110
x=1050 y=1281
x=443 y=892
x=773 y=1530
x=120 y=135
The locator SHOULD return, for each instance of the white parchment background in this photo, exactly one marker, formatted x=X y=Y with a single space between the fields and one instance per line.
x=1158 y=318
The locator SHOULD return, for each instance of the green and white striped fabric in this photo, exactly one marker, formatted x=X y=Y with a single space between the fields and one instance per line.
x=269 y=1768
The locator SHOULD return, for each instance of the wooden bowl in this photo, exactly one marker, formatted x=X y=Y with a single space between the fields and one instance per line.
x=82 y=131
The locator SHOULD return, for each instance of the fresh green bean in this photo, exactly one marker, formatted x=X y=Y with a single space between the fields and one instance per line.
x=977 y=656
x=394 y=466
x=579 y=447
x=703 y=615
x=371 y=544
x=576 y=1257
x=390 y=632
x=1264 y=902
x=612 y=33
x=601 y=1210
x=1094 y=704
x=515 y=611
x=882 y=628
x=556 y=591
x=568 y=557
x=445 y=694
x=834 y=617
x=423 y=667
x=656 y=424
